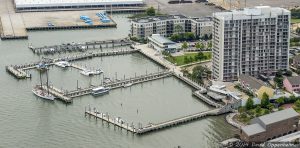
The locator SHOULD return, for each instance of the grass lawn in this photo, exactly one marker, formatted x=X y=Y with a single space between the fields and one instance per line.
x=179 y=60
x=295 y=20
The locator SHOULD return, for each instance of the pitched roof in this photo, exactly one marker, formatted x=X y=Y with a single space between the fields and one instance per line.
x=253 y=82
x=295 y=80
x=269 y=91
x=253 y=129
x=276 y=117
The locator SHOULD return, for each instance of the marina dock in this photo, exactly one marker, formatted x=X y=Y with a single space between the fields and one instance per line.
x=153 y=126
x=121 y=83
x=111 y=120
x=19 y=70
x=58 y=94
x=18 y=73
x=70 y=47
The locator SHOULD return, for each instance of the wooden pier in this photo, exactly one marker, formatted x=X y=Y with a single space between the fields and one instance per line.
x=19 y=70
x=58 y=94
x=121 y=83
x=153 y=126
x=180 y=120
x=19 y=74
x=111 y=120
x=70 y=47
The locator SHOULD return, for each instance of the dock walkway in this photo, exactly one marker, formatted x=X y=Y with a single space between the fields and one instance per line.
x=70 y=47
x=176 y=121
x=58 y=94
x=111 y=120
x=121 y=83
x=19 y=70
x=152 y=127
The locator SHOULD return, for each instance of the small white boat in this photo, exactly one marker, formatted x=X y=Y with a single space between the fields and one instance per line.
x=119 y=120
x=42 y=93
x=42 y=66
x=87 y=72
x=63 y=64
x=100 y=91
x=128 y=85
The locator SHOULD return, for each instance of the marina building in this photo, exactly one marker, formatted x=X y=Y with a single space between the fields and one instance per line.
x=269 y=126
x=251 y=41
x=45 y=5
x=161 y=43
x=170 y=24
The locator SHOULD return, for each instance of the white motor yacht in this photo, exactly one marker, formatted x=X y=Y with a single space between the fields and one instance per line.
x=100 y=91
x=87 y=72
x=63 y=64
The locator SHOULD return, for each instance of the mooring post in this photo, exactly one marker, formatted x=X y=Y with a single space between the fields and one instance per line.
x=77 y=84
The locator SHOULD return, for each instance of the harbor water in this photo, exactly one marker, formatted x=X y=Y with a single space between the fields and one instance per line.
x=28 y=121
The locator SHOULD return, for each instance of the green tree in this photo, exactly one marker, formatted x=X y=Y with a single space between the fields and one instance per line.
x=178 y=29
x=199 y=45
x=266 y=112
x=200 y=56
x=297 y=104
x=265 y=100
x=150 y=11
x=288 y=73
x=278 y=81
x=184 y=45
x=281 y=108
x=249 y=104
x=189 y=36
x=280 y=100
x=209 y=45
x=199 y=72
x=258 y=109
x=175 y=37
x=270 y=107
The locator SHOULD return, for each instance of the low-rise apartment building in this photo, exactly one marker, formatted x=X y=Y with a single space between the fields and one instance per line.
x=170 y=24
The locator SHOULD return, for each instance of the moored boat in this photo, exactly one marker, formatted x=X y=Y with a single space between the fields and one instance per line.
x=100 y=91
x=128 y=84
